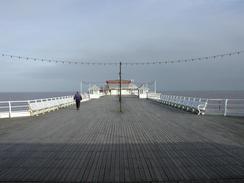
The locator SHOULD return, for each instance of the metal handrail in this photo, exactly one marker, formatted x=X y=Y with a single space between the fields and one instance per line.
x=217 y=106
x=9 y=109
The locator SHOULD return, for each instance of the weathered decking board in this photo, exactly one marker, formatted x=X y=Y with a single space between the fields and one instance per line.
x=147 y=142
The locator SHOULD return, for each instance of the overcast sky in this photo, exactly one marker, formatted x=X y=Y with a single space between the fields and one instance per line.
x=121 y=30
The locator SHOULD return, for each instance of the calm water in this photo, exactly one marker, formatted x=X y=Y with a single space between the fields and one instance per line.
x=31 y=95
x=204 y=94
x=208 y=94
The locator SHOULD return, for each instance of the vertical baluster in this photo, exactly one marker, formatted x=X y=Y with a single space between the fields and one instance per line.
x=226 y=105
x=9 y=109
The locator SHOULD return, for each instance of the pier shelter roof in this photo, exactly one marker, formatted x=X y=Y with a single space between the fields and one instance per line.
x=125 y=85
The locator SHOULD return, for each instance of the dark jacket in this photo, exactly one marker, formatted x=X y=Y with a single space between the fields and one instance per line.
x=77 y=97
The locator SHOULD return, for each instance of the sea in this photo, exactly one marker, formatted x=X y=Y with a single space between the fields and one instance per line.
x=11 y=96
x=208 y=94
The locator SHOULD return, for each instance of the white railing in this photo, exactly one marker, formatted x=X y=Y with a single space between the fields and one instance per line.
x=226 y=107
x=155 y=96
x=11 y=109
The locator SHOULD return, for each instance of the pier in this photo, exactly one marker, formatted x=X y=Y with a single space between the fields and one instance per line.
x=147 y=142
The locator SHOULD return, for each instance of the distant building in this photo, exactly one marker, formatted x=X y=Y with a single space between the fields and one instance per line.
x=95 y=92
x=112 y=87
x=127 y=87
x=143 y=91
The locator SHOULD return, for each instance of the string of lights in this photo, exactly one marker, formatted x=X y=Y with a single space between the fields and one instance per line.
x=198 y=59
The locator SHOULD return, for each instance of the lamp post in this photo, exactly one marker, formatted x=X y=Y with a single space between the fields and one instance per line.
x=120 y=96
x=81 y=87
x=155 y=87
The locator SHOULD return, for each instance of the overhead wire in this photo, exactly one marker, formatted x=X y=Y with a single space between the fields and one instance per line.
x=126 y=63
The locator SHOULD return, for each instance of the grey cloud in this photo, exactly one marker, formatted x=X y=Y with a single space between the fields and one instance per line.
x=139 y=30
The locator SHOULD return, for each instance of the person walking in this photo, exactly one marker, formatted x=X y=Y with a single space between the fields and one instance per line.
x=77 y=99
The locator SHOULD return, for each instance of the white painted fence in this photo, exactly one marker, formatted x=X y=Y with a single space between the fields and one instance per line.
x=155 y=96
x=226 y=107
x=12 y=109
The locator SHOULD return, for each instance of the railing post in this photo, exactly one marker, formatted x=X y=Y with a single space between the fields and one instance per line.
x=226 y=104
x=9 y=109
x=206 y=105
x=155 y=87
x=189 y=101
x=29 y=107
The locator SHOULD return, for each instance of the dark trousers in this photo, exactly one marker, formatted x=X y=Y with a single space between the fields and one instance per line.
x=77 y=104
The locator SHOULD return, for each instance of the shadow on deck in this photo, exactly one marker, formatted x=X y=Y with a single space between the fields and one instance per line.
x=183 y=162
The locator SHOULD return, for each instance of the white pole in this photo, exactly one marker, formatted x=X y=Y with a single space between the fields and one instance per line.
x=29 y=107
x=81 y=86
x=9 y=109
x=226 y=103
x=155 y=87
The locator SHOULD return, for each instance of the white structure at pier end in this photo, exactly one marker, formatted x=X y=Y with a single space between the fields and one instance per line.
x=143 y=91
x=95 y=92
x=112 y=87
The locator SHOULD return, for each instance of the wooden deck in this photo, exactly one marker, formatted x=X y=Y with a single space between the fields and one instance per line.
x=147 y=142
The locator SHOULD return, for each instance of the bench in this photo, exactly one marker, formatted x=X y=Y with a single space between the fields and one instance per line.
x=187 y=103
x=42 y=106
